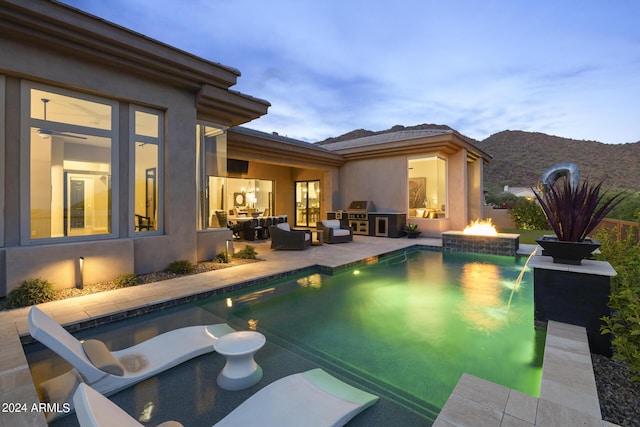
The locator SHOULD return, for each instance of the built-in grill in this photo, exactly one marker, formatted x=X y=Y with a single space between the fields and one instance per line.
x=358 y=215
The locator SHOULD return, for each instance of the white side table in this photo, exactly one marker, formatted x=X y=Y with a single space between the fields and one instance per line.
x=240 y=371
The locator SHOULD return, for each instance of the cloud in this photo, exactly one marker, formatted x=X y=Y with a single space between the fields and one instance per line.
x=332 y=66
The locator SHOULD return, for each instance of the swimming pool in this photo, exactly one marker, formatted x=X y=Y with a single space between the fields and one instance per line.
x=406 y=328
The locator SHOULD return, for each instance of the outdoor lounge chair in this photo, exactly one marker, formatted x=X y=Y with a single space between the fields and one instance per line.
x=111 y=371
x=283 y=237
x=311 y=399
x=334 y=231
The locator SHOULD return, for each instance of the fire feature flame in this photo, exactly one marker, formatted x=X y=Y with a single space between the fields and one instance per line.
x=481 y=228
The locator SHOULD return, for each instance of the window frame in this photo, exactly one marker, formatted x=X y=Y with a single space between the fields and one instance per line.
x=446 y=184
x=202 y=181
x=26 y=122
x=133 y=140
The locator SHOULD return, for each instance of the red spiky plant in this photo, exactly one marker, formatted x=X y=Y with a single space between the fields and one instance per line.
x=574 y=212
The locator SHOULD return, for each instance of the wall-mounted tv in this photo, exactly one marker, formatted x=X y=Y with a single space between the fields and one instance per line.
x=237 y=166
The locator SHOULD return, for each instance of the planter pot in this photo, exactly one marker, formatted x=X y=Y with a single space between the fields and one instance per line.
x=413 y=234
x=571 y=253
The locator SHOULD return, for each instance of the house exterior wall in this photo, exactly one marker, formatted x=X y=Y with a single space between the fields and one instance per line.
x=381 y=180
x=177 y=92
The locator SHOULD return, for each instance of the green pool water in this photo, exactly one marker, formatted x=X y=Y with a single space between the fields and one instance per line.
x=412 y=324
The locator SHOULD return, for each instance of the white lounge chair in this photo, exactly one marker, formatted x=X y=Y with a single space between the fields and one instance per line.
x=311 y=399
x=110 y=371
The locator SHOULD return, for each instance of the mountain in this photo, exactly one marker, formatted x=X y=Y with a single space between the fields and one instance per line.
x=519 y=157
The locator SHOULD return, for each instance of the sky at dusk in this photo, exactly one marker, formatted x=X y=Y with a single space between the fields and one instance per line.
x=569 y=68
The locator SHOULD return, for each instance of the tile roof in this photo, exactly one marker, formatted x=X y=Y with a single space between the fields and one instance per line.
x=383 y=138
x=276 y=137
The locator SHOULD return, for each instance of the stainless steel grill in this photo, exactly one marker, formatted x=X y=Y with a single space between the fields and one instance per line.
x=358 y=215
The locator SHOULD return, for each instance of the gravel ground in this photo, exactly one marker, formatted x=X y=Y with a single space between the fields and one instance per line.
x=144 y=278
x=619 y=396
x=201 y=267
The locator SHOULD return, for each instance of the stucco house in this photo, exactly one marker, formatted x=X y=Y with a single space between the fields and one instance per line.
x=121 y=154
x=433 y=175
x=105 y=137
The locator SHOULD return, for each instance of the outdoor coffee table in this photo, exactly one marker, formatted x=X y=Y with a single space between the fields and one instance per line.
x=240 y=371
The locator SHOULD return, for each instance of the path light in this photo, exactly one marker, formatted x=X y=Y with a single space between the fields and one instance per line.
x=226 y=243
x=80 y=272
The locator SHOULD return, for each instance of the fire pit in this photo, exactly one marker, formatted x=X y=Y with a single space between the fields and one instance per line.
x=481 y=237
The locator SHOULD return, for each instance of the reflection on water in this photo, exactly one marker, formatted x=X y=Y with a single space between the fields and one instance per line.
x=482 y=288
x=313 y=281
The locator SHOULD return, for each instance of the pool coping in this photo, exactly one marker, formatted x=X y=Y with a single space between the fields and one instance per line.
x=16 y=383
x=568 y=394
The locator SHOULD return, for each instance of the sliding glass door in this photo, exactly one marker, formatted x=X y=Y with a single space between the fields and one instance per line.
x=307 y=203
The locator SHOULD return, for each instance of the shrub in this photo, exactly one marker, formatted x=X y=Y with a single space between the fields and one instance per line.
x=249 y=252
x=180 y=267
x=501 y=199
x=126 y=280
x=30 y=292
x=624 y=301
x=222 y=258
x=528 y=215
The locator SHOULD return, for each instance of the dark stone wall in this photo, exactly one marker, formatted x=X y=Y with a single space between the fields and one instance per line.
x=492 y=245
x=574 y=298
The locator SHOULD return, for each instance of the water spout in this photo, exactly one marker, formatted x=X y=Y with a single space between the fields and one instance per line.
x=520 y=276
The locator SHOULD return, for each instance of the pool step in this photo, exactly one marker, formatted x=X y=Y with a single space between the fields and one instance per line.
x=568 y=394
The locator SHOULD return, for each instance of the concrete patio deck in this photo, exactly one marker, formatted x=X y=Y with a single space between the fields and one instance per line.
x=568 y=396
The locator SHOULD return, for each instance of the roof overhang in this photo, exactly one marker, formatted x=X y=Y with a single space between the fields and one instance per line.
x=51 y=25
x=228 y=107
x=446 y=143
x=276 y=150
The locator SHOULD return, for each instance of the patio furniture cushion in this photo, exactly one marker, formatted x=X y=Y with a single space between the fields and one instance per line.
x=102 y=358
x=341 y=232
x=284 y=226
x=331 y=223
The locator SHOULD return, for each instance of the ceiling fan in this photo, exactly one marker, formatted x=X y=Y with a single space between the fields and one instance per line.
x=48 y=133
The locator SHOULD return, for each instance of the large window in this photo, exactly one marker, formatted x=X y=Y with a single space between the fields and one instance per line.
x=248 y=196
x=211 y=148
x=220 y=197
x=427 y=187
x=147 y=172
x=71 y=163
